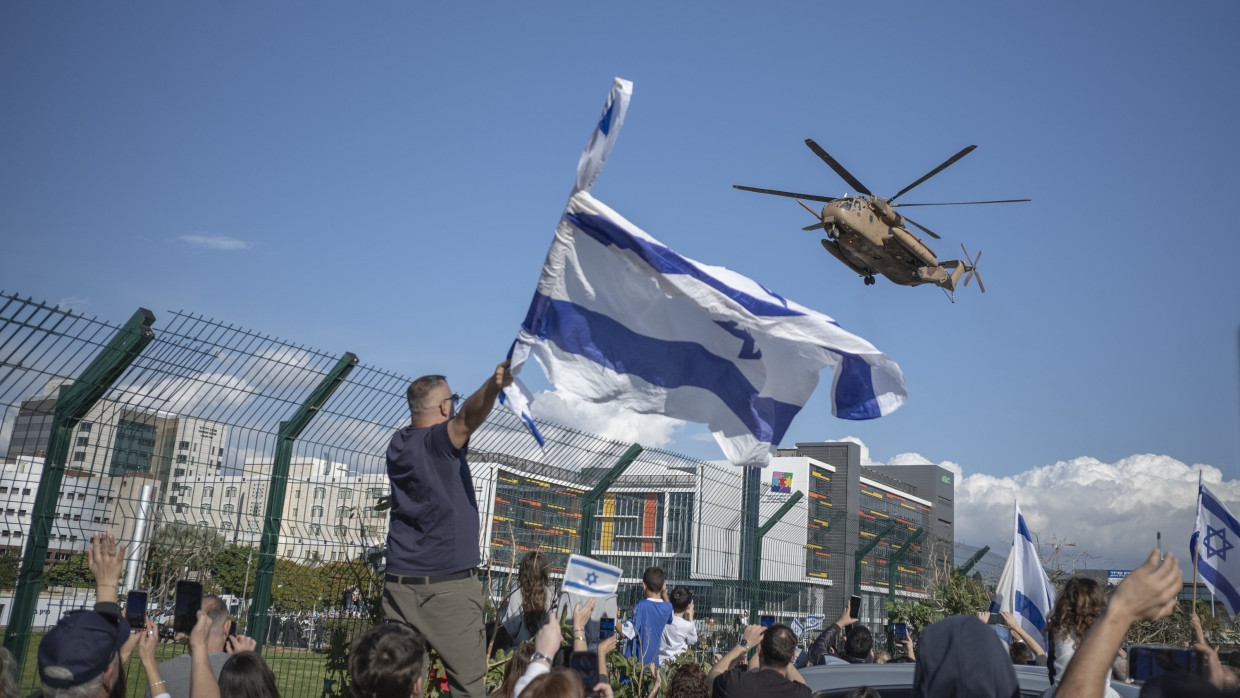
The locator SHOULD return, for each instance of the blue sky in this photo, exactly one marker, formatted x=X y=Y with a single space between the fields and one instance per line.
x=384 y=178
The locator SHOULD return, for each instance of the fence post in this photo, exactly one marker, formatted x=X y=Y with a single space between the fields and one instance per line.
x=756 y=564
x=591 y=498
x=72 y=404
x=751 y=492
x=256 y=623
x=892 y=562
x=964 y=569
x=865 y=550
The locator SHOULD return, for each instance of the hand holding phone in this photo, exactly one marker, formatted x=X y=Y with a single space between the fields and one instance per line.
x=854 y=607
x=135 y=609
x=766 y=621
x=901 y=631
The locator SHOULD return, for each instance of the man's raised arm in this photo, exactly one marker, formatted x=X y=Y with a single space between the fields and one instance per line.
x=476 y=407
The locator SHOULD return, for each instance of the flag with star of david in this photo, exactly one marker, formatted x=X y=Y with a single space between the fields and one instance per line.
x=589 y=577
x=1214 y=542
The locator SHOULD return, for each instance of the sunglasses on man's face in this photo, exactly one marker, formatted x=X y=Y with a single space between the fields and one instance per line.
x=455 y=398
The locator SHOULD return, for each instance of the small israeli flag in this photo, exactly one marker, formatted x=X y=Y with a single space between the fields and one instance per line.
x=604 y=136
x=814 y=622
x=797 y=628
x=589 y=577
x=1215 y=540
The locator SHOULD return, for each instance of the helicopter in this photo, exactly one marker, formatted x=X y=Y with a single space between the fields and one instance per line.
x=868 y=235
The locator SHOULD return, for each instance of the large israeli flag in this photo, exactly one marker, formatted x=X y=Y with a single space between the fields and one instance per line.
x=619 y=318
x=1215 y=544
x=1024 y=590
x=604 y=135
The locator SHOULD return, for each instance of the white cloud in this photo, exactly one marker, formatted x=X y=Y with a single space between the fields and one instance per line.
x=1109 y=510
x=73 y=303
x=1112 y=512
x=214 y=242
x=607 y=420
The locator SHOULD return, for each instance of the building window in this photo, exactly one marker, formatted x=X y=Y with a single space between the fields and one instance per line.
x=99 y=499
x=77 y=517
x=208 y=491
x=82 y=496
x=230 y=492
x=179 y=472
x=84 y=427
x=79 y=456
x=182 y=459
x=4 y=490
x=183 y=446
x=320 y=493
x=83 y=441
x=316 y=512
x=316 y=529
x=206 y=506
x=228 y=509
x=221 y=451
x=25 y=491
x=346 y=494
x=226 y=525
x=294 y=512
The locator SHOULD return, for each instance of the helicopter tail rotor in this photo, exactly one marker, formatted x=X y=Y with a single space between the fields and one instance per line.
x=971 y=268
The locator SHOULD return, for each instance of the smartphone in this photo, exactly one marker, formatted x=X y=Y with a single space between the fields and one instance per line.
x=995 y=619
x=854 y=607
x=232 y=627
x=766 y=621
x=188 y=603
x=135 y=609
x=901 y=631
x=586 y=666
x=1148 y=661
x=606 y=627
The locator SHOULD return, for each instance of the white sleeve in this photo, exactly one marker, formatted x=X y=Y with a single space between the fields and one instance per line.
x=533 y=671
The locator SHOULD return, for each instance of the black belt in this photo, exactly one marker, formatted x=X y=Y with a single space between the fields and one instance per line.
x=399 y=579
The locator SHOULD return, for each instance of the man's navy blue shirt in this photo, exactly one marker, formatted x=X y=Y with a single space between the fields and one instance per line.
x=433 y=528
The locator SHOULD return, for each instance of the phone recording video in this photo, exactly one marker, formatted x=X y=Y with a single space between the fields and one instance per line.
x=586 y=666
x=766 y=621
x=135 y=609
x=1147 y=661
x=854 y=607
x=606 y=627
x=188 y=603
x=901 y=631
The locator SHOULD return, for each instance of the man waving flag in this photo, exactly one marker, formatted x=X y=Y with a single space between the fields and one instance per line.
x=1024 y=590
x=619 y=318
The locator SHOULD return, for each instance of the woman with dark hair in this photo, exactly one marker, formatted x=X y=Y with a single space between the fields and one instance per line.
x=246 y=675
x=1079 y=604
x=529 y=603
x=517 y=664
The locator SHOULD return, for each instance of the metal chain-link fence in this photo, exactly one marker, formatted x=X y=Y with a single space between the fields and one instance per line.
x=256 y=466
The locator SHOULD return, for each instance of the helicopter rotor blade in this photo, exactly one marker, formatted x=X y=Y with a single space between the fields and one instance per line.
x=972 y=267
x=966 y=203
x=789 y=194
x=839 y=169
x=922 y=228
x=935 y=171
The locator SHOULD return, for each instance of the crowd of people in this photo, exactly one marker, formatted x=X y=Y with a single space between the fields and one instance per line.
x=432 y=599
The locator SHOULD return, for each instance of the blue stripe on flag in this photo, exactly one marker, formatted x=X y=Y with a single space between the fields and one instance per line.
x=1025 y=607
x=1022 y=528
x=854 y=390
x=665 y=261
x=1222 y=586
x=667 y=364
x=585 y=588
x=1220 y=512
x=609 y=571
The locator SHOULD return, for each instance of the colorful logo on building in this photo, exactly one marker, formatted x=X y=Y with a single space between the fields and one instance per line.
x=781 y=482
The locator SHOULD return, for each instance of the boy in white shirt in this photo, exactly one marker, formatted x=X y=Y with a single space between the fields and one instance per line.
x=681 y=631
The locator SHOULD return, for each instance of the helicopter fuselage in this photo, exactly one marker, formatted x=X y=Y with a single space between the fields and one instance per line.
x=869 y=237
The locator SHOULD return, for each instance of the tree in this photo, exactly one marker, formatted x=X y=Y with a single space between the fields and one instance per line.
x=176 y=551
x=232 y=570
x=10 y=565
x=74 y=572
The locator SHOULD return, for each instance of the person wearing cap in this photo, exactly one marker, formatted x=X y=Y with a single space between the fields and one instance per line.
x=432 y=544
x=83 y=655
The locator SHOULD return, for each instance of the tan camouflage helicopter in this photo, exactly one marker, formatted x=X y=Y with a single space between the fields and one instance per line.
x=869 y=237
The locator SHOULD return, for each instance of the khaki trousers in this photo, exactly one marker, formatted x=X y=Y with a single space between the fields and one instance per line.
x=450 y=616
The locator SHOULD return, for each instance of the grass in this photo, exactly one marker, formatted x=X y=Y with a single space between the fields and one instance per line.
x=299 y=673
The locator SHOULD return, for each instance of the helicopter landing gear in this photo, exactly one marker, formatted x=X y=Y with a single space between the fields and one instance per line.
x=869 y=280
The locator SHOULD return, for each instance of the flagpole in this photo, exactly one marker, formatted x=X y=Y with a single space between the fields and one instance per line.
x=1197 y=546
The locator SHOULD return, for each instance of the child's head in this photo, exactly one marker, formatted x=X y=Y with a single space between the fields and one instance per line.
x=653 y=580
x=681 y=598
